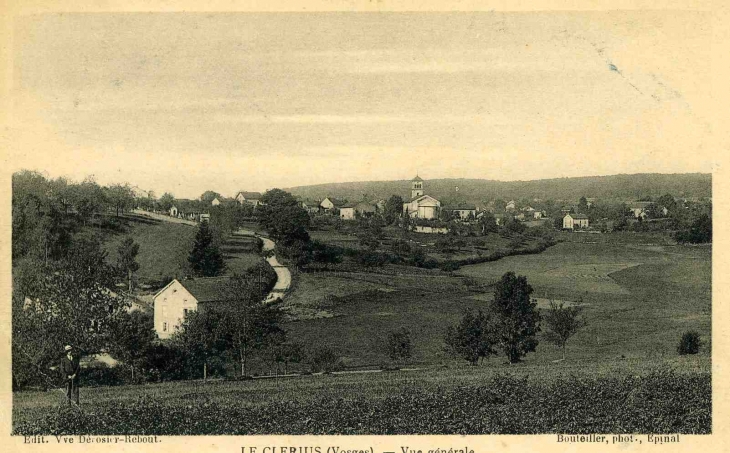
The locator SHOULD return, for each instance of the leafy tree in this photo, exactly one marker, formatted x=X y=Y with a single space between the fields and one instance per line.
x=399 y=346
x=126 y=258
x=583 y=205
x=563 y=323
x=89 y=199
x=120 y=197
x=69 y=301
x=208 y=196
x=282 y=217
x=202 y=336
x=667 y=201
x=166 y=201
x=699 y=232
x=132 y=339
x=205 y=257
x=250 y=323
x=287 y=353
x=473 y=338
x=517 y=320
x=393 y=209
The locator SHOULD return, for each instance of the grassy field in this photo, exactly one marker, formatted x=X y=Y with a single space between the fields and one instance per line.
x=617 y=396
x=638 y=299
x=622 y=372
x=163 y=246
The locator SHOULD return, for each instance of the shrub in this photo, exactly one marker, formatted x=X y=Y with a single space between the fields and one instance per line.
x=690 y=343
x=325 y=359
x=399 y=344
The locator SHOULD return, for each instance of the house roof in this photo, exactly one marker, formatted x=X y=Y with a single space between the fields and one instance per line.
x=250 y=195
x=212 y=289
x=578 y=216
x=335 y=201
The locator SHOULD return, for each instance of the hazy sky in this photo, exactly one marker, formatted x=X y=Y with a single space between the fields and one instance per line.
x=249 y=101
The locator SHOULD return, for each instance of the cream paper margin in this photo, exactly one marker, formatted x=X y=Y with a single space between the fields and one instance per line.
x=717 y=153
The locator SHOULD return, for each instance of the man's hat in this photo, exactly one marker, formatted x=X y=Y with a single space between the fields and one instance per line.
x=67 y=348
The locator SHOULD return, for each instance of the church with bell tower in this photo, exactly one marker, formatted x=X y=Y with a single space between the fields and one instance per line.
x=421 y=206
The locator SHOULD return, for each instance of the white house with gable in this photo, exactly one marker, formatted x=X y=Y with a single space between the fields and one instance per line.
x=175 y=300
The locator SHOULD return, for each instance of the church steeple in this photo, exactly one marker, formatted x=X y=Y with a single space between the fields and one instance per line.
x=416 y=187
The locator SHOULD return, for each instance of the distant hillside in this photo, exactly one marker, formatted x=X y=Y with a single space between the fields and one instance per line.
x=477 y=191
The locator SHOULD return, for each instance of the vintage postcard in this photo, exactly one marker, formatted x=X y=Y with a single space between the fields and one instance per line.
x=350 y=227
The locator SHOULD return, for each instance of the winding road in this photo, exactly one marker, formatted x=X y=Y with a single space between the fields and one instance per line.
x=283 y=276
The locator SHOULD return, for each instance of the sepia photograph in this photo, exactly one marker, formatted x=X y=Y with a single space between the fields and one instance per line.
x=366 y=222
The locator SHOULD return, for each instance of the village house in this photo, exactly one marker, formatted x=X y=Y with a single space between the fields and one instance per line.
x=312 y=207
x=638 y=208
x=462 y=211
x=421 y=206
x=351 y=211
x=179 y=297
x=511 y=206
x=537 y=215
x=575 y=221
x=252 y=198
x=330 y=204
x=216 y=202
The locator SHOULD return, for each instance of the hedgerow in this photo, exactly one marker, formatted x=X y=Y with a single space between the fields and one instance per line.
x=658 y=402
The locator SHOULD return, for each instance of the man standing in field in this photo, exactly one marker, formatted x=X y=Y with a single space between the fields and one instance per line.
x=70 y=370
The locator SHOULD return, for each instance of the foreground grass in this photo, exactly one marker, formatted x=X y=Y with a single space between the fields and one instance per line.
x=619 y=397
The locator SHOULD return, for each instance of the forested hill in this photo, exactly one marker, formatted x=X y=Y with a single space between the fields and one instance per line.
x=615 y=187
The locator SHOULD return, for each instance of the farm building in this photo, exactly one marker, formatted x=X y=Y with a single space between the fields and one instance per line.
x=351 y=211
x=253 y=198
x=329 y=204
x=173 y=302
x=462 y=211
x=421 y=206
x=575 y=221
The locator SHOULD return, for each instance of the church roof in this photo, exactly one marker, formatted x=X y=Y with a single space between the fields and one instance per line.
x=416 y=179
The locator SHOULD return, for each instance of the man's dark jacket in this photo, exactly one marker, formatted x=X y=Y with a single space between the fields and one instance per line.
x=70 y=367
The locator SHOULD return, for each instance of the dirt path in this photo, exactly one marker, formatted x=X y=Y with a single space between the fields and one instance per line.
x=283 y=276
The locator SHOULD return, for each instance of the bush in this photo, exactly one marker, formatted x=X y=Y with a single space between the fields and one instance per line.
x=399 y=344
x=690 y=343
x=325 y=359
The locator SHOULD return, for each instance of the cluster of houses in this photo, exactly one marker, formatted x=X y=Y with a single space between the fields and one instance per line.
x=199 y=211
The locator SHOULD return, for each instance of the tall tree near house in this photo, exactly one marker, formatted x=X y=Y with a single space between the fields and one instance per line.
x=120 y=197
x=250 y=323
x=205 y=258
x=282 y=217
x=208 y=196
x=393 y=209
x=126 y=259
x=488 y=223
x=563 y=323
x=132 y=338
x=202 y=336
x=583 y=205
x=517 y=319
x=166 y=201
x=69 y=301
